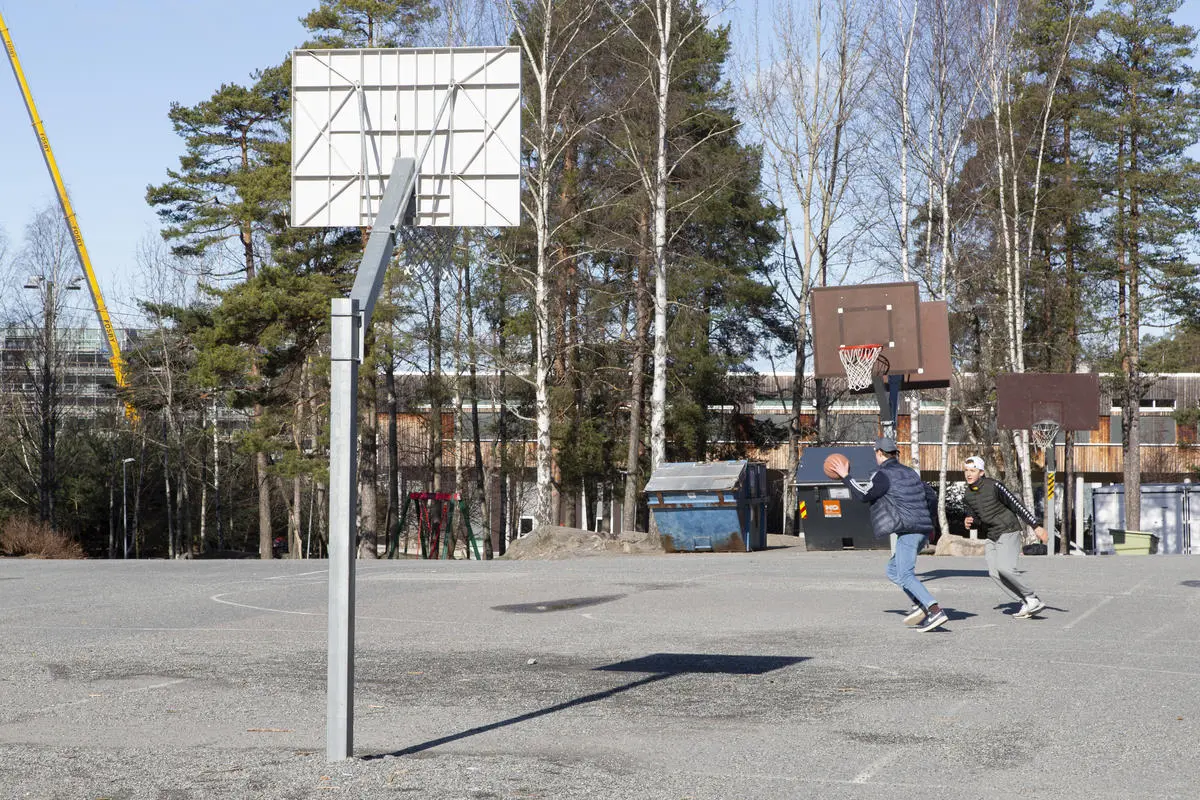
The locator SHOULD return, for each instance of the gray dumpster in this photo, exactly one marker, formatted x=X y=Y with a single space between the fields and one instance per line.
x=829 y=517
x=710 y=506
x=1170 y=512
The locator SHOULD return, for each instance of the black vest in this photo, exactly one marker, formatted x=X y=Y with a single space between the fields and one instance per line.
x=992 y=517
x=904 y=508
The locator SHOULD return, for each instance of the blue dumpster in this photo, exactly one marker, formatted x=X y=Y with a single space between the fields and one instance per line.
x=710 y=506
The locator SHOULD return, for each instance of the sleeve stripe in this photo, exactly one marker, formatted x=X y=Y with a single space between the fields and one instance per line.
x=1016 y=505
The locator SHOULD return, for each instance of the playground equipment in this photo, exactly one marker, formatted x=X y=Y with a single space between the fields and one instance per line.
x=435 y=524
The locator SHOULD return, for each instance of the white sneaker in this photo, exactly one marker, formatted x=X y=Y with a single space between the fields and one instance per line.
x=915 y=615
x=1031 y=606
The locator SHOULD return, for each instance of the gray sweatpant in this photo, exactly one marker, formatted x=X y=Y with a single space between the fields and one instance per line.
x=1001 y=556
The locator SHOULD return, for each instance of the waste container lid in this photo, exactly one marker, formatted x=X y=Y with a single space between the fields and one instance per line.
x=711 y=476
x=811 y=470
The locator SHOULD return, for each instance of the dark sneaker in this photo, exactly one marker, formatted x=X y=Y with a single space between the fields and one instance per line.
x=933 y=621
x=1031 y=606
x=915 y=615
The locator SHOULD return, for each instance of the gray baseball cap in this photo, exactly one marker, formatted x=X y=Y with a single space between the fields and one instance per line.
x=887 y=444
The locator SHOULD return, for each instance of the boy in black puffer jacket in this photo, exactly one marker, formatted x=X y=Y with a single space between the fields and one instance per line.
x=903 y=504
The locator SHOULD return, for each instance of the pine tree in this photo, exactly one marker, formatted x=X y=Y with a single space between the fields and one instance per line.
x=1147 y=116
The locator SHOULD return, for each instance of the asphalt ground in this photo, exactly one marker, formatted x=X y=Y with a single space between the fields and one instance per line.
x=777 y=674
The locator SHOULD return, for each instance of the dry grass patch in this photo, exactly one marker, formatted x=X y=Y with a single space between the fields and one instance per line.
x=22 y=536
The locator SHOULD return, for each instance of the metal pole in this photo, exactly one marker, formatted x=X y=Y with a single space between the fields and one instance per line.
x=124 y=514
x=124 y=508
x=1079 y=512
x=1048 y=498
x=351 y=317
x=343 y=433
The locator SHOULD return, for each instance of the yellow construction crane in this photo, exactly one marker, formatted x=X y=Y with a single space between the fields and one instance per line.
x=114 y=347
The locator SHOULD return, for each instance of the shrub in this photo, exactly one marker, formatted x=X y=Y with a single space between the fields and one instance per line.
x=22 y=536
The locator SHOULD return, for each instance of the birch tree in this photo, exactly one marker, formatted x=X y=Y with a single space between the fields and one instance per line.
x=1019 y=156
x=804 y=98
x=557 y=39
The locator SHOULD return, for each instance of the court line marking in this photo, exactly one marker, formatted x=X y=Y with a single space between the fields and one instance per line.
x=875 y=766
x=121 y=693
x=1089 y=612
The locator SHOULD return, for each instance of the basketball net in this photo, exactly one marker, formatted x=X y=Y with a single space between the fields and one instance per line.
x=859 y=362
x=1044 y=433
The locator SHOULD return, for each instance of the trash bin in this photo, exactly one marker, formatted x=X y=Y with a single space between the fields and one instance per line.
x=1166 y=509
x=1133 y=543
x=829 y=517
x=710 y=506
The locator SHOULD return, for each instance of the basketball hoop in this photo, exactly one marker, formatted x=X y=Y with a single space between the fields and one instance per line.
x=859 y=361
x=1044 y=433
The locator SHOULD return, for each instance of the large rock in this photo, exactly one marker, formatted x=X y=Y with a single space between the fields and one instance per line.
x=552 y=542
x=951 y=545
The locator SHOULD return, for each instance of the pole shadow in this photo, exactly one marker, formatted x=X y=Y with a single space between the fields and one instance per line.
x=935 y=574
x=660 y=666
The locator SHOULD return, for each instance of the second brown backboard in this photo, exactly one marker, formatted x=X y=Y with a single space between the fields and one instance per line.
x=870 y=313
x=935 y=350
x=1072 y=399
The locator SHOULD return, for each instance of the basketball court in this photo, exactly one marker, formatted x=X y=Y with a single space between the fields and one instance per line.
x=772 y=674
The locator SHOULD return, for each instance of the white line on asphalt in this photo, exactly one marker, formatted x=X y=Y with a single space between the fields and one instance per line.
x=1088 y=613
x=876 y=766
x=298 y=575
x=890 y=756
x=57 y=706
x=216 y=598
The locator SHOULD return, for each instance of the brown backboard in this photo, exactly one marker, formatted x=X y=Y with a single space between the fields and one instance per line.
x=935 y=350
x=1072 y=399
x=870 y=313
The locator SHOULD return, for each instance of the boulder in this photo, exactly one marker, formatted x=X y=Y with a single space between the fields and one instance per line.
x=951 y=545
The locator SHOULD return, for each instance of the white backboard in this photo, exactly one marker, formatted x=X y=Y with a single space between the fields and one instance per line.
x=355 y=111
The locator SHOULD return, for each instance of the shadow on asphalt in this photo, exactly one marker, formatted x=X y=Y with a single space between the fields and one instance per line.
x=660 y=665
x=935 y=574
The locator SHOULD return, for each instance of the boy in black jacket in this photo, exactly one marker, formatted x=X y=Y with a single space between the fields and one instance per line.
x=999 y=515
x=901 y=503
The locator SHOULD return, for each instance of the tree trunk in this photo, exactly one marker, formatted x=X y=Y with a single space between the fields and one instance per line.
x=392 y=523
x=481 y=482
x=658 y=393
x=637 y=370
x=262 y=481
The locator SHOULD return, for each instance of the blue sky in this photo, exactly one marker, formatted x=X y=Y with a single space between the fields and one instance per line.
x=104 y=74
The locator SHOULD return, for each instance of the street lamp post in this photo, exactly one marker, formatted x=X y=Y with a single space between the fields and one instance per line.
x=124 y=508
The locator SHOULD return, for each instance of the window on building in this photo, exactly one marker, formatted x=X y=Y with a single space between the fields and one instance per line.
x=931 y=429
x=1154 y=429
x=1157 y=429
x=855 y=428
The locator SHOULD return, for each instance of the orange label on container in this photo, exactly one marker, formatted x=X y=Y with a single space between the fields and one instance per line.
x=832 y=508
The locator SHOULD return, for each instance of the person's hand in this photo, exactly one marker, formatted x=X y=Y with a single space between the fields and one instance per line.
x=1040 y=532
x=969 y=522
x=841 y=471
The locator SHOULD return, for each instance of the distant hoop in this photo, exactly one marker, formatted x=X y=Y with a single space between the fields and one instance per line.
x=859 y=362
x=1044 y=433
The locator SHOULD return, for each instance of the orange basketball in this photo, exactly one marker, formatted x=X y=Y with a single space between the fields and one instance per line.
x=836 y=460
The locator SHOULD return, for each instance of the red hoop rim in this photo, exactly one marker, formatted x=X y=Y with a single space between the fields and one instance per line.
x=859 y=346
